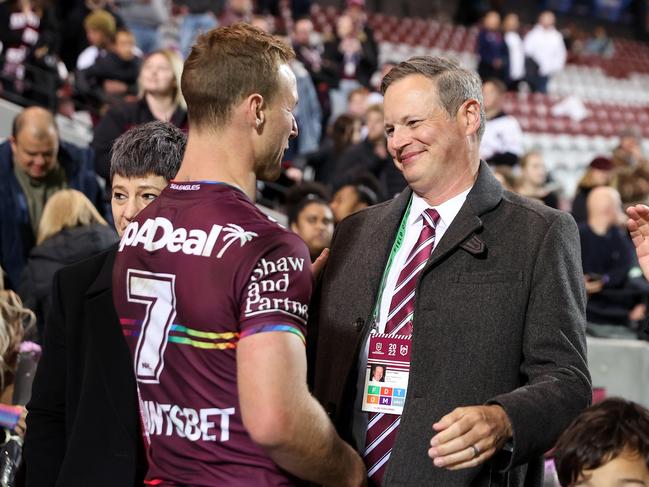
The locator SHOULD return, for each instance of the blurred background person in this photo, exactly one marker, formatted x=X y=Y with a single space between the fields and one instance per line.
x=545 y=47
x=361 y=191
x=533 y=180
x=342 y=134
x=111 y=79
x=502 y=141
x=608 y=256
x=198 y=16
x=144 y=18
x=371 y=155
x=74 y=38
x=29 y=34
x=599 y=43
x=599 y=172
x=100 y=28
x=16 y=323
x=356 y=58
x=515 y=51
x=236 y=11
x=34 y=165
x=309 y=50
x=310 y=217
x=492 y=49
x=159 y=98
x=71 y=229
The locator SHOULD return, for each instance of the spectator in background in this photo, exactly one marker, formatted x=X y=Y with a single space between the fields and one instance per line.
x=492 y=49
x=73 y=38
x=628 y=153
x=113 y=78
x=16 y=323
x=309 y=51
x=144 y=18
x=607 y=257
x=34 y=165
x=356 y=57
x=361 y=191
x=515 y=51
x=29 y=37
x=310 y=217
x=533 y=181
x=71 y=229
x=545 y=47
x=236 y=11
x=357 y=100
x=100 y=30
x=343 y=133
x=371 y=155
x=198 y=16
x=502 y=142
x=159 y=98
x=599 y=173
x=600 y=44
x=308 y=115
x=606 y=445
x=356 y=11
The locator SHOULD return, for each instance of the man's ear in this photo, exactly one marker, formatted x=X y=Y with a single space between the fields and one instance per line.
x=294 y=227
x=255 y=110
x=12 y=142
x=470 y=116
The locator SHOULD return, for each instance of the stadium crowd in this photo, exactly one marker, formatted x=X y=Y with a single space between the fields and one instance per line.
x=118 y=68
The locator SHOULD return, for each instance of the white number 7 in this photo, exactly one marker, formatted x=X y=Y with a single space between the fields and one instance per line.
x=158 y=293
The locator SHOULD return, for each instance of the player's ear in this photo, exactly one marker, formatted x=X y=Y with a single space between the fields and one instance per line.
x=255 y=110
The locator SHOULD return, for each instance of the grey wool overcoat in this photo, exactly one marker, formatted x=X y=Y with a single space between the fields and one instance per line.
x=499 y=318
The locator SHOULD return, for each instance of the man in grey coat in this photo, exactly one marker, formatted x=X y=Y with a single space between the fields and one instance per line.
x=470 y=296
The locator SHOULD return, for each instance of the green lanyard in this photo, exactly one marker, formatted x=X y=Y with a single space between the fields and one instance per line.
x=396 y=246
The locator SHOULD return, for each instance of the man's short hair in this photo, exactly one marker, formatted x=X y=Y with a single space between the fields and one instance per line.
x=302 y=195
x=599 y=435
x=455 y=85
x=19 y=121
x=225 y=66
x=152 y=148
x=499 y=84
x=102 y=21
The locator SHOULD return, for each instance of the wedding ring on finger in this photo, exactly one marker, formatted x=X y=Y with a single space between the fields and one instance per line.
x=476 y=452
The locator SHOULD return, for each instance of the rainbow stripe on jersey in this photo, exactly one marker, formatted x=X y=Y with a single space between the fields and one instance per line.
x=207 y=340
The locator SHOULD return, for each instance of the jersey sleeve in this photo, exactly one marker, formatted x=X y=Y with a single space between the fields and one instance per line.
x=277 y=293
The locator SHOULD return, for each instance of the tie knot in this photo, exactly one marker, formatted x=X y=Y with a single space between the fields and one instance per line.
x=431 y=217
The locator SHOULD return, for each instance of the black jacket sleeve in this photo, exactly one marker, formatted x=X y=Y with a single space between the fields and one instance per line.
x=45 y=436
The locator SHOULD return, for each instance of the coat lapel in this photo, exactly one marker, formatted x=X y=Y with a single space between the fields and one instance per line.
x=108 y=348
x=464 y=231
x=380 y=240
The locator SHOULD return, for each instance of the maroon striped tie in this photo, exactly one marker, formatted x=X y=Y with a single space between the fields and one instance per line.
x=382 y=428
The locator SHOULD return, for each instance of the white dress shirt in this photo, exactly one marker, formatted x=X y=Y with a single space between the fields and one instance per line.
x=447 y=213
x=414 y=225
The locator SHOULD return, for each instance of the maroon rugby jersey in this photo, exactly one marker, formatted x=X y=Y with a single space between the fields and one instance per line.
x=199 y=269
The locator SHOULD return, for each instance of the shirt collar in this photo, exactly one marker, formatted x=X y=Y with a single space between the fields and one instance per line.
x=447 y=210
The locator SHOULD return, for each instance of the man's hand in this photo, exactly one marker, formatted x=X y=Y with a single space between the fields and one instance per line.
x=469 y=436
x=316 y=267
x=638 y=225
x=593 y=286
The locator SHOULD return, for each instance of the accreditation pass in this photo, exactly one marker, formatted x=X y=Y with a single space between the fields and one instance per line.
x=386 y=378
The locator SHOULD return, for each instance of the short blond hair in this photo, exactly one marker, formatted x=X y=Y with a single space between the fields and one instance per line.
x=67 y=208
x=225 y=66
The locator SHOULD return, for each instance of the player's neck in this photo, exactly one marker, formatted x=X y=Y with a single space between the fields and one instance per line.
x=210 y=157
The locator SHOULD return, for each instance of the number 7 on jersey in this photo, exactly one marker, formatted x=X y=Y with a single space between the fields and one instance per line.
x=157 y=292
